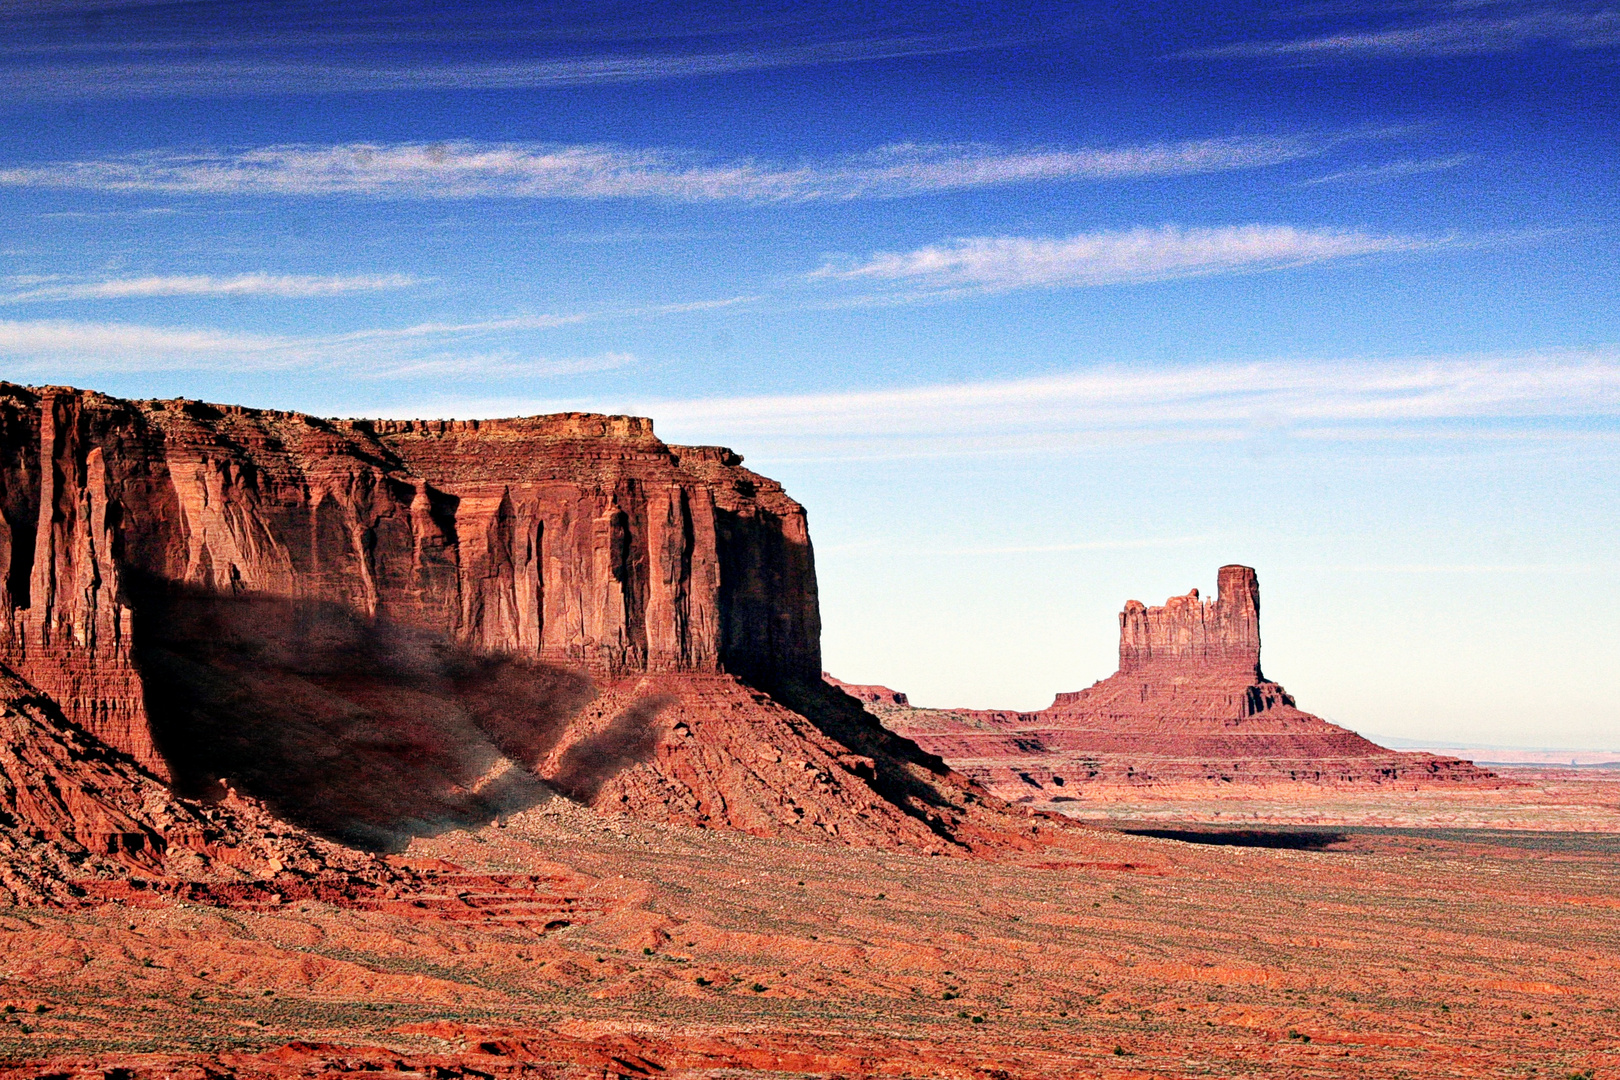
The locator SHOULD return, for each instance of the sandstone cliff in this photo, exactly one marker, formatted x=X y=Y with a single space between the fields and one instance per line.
x=1190 y=634
x=1188 y=705
x=574 y=539
x=386 y=628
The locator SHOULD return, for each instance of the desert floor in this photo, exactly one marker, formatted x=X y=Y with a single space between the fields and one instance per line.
x=1470 y=935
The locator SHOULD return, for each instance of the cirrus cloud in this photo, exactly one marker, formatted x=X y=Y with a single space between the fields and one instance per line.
x=279 y=285
x=468 y=170
x=999 y=263
x=1495 y=29
x=1524 y=396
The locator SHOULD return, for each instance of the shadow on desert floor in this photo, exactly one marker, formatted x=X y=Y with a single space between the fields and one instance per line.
x=1285 y=839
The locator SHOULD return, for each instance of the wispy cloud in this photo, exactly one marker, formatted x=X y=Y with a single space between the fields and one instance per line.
x=1316 y=400
x=466 y=170
x=996 y=263
x=496 y=348
x=64 y=349
x=1494 y=28
x=246 y=72
x=115 y=344
x=504 y=365
x=1393 y=170
x=279 y=285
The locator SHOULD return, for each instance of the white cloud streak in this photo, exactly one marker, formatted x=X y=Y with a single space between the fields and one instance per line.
x=998 y=263
x=277 y=285
x=57 y=349
x=1466 y=35
x=252 y=72
x=148 y=347
x=1394 y=170
x=468 y=170
x=1318 y=400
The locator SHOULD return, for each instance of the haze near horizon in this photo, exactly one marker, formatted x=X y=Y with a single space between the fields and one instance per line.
x=1037 y=308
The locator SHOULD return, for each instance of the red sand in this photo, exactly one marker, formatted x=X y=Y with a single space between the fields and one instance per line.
x=691 y=953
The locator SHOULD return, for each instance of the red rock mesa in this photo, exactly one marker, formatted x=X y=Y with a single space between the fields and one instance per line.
x=1189 y=704
x=378 y=628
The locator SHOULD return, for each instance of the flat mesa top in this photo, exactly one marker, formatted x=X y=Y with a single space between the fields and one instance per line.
x=550 y=427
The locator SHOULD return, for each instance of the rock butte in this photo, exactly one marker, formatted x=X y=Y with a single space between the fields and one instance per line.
x=1189 y=706
x=380 y=629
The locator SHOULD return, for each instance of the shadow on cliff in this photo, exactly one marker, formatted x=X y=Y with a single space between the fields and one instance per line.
x=366 y=732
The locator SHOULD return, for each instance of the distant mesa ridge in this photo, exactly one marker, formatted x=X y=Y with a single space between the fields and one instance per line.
x=870 y=693
x=1189 y=705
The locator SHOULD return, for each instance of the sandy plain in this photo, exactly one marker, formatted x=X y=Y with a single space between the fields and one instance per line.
x=1535 y=799
x=566 y=944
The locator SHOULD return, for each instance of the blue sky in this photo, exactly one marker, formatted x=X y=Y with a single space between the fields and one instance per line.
x=1036 y=307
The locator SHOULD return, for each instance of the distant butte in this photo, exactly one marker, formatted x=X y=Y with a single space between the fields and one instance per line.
x=870 y=693
x=1189 y=705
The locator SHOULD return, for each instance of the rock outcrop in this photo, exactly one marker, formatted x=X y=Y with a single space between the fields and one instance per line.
x=1188 y=705
x=386 y=628
x=870 y=693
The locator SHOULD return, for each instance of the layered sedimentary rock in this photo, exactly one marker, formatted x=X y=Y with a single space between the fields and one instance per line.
x=575 y=539
x=383 y=628
x=1188 y=705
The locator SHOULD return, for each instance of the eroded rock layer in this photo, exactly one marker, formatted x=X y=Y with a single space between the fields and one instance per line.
x=1189 y=705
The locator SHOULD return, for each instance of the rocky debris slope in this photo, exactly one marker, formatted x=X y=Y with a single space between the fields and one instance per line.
x=385 y=629
x=1188 y=705
x=74 y=811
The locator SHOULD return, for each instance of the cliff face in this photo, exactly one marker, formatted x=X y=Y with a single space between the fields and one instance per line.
x=574 y=539
x=1186 y=633
x=1188 y=706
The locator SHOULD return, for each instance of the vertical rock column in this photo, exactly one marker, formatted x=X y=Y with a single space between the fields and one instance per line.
x=72 y=640
x=1223 y=633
